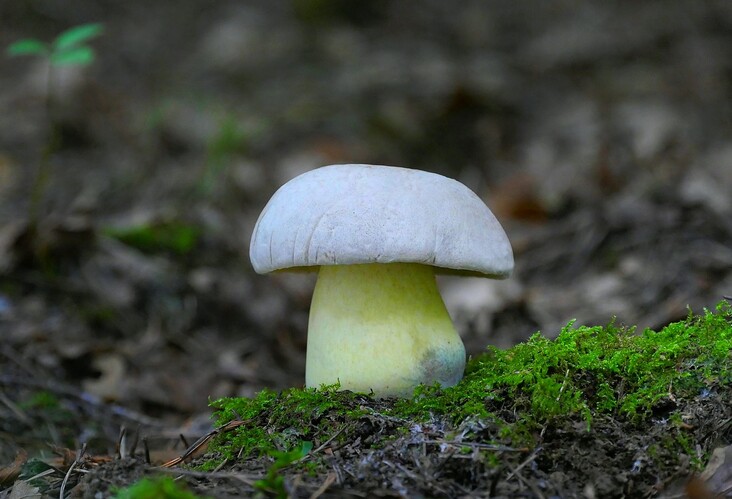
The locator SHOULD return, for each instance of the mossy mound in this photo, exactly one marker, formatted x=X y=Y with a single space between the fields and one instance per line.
x=635 y=411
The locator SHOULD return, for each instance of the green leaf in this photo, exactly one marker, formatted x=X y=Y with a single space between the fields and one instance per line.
x=305 y=448
x=73 y=37
x=29 y=46
x=174 y=237
x=81 y=56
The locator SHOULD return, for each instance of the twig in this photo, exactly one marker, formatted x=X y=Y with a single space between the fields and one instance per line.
x=479 y=445
x=14 y=356
x=526 y=461
x=122 y=443
x=79 y=456
x=221 y=465
x=203 y=441
x=529 y=484
x=247 y=479
x=727 y=489
x=326 y=484
x=22 y=416
x=320 y=447
x=415 y=477
x=450 y=454
x=564 y=384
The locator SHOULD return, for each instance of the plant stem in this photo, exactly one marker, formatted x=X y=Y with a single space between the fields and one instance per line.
x=53 y=142
x=381 y=327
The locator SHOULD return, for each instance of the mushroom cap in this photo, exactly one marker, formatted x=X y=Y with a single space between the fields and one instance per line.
x=355 y=214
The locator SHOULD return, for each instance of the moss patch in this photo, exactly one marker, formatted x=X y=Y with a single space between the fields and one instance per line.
x=588 y=383
x=157 y=488
x=590 y=370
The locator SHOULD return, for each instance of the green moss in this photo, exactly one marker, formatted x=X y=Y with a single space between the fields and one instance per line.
x=584 y=373
x=590 y=370
x=158 y=488
x=296 y=414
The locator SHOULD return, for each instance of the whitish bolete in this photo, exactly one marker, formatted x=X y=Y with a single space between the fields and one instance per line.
x=377 y=235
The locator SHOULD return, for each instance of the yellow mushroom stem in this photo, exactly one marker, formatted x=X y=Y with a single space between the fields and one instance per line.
x=381 y=328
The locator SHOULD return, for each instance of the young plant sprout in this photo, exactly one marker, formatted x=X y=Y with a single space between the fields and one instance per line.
x=68 y=49
x=377 y=235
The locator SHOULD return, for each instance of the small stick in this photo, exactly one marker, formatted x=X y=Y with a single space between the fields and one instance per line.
x=320 y=447
x=122 y=443
x=564 y=383
x=479 y=445
x=79 y=455
x=528 y=484
x=223 y=463
x=326 y=484
x=248 y=479
x=203 y=441
x=522 y=465
x=22 y=416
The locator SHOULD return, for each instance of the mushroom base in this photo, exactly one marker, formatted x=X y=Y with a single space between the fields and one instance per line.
x=381 y=328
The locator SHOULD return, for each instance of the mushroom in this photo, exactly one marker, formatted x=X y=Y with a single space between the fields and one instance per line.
x=377 y=235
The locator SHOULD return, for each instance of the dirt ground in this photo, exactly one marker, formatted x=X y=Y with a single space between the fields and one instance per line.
x=599 y=133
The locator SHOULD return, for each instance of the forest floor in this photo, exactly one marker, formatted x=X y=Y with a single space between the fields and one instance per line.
x=599 y=135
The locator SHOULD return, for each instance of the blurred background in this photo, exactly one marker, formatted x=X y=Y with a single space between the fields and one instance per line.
x=599 y=133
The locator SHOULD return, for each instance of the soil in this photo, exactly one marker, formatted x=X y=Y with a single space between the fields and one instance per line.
x=599 y=134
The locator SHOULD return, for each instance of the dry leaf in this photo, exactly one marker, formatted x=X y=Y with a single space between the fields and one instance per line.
x=24 y=490
x=10 y=473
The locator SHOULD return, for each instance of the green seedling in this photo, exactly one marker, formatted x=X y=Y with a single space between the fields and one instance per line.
x=273 y=482
x=68 y=49
x=173 y=237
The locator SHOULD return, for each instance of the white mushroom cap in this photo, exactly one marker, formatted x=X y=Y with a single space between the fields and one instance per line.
x=355 y=214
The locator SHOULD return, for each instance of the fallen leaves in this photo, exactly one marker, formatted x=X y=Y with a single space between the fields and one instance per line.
x=11 y=472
